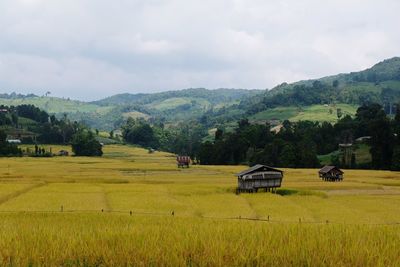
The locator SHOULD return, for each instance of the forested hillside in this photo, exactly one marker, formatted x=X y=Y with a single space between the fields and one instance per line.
x=112 y=112
x=379 y=84
x=30 y=124
x=216 y=96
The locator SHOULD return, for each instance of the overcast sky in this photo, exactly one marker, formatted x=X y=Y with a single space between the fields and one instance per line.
x=88 y=49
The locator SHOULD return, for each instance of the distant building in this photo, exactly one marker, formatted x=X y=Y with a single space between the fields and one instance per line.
x=259 y=177
x=14 y=141
x=3 y=110
x=331 y=173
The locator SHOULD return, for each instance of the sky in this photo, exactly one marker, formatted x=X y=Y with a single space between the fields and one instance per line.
x=90 y=49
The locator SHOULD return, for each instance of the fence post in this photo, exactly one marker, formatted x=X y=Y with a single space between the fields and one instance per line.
x=62 y=208
x=173 y=213
x=130 y=212
x=268 y=218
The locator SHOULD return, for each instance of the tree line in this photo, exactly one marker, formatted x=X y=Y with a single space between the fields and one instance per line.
x=296 y=144
x=183 y=138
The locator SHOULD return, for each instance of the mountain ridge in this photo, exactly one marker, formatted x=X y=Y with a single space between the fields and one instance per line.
x=379 y=83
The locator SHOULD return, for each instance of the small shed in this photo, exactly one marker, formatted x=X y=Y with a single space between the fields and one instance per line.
x=183 y=161
x=331 y=173
x=259 y=176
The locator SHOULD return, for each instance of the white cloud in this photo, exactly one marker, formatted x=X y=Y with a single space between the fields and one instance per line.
x=93 y=48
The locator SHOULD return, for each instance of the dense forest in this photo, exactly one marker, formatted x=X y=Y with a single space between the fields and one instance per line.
x=184 y=138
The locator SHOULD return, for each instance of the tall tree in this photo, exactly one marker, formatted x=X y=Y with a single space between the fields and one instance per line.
x=84 y=143
x=382 y=140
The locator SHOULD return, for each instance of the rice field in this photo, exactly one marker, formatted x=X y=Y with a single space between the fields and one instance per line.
x=134 y=208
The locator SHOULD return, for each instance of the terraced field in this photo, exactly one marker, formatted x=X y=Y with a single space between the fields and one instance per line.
x=134 y=208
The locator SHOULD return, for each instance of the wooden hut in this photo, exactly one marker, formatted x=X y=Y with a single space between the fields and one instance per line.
x=259 y=176
x=331 y=173
x=183 y=161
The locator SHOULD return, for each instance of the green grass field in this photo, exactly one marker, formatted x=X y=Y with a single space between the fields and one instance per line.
x=70 y=211
x=312 y=113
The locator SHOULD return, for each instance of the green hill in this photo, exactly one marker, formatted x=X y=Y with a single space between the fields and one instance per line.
x=111 y=112
x=216 y=96
x=381 y=75
x=170 y=107
x=380 y=84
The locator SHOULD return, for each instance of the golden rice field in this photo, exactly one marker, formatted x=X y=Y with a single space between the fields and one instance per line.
x=117 y=211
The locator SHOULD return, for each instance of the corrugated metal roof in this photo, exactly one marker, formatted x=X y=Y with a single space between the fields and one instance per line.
x=327 y=169
x=255 y=168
